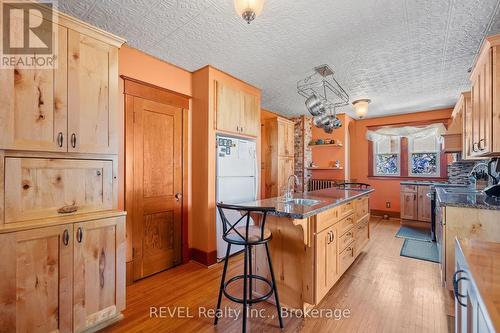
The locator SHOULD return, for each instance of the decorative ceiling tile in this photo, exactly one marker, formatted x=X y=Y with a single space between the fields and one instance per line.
x=404 y=55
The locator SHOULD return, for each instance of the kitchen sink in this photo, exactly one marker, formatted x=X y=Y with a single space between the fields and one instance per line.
x=304 y=202
x=461 y=190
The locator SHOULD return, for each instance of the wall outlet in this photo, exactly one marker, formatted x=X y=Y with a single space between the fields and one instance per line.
x=387 y=204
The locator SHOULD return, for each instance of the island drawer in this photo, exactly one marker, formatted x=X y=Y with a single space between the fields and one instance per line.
x=361 y=206
x=346 y=239
x=345 y=225
x=361 y=233
x=326 y=219
x=346 y=209
x=346 y=257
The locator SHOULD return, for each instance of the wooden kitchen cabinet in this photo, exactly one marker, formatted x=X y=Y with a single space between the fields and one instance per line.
x=37 y=280
x=64 y=278
x=33 y=105
x=237 y=111
x=99 y=283
x=286 y=130
x=73 y=107
x=485 y=115
x=279 y=155
x=424 y=211
x=409 y=206
x=454 y=139
x=326 y=261
x=38 y=188
x=92 y=95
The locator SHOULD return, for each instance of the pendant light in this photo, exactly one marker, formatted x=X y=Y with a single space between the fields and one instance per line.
x=248 y=9
x=361 y=107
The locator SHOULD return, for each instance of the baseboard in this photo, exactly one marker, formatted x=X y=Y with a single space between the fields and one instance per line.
x=377 y=212
x=205 y=258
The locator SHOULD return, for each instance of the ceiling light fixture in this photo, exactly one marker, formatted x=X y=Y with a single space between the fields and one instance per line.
x=248 y=9
x=361 y=107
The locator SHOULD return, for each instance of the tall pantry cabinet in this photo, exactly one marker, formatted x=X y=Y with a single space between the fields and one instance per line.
x=62 y=238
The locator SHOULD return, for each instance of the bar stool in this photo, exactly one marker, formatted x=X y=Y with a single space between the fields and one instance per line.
x=247 y=235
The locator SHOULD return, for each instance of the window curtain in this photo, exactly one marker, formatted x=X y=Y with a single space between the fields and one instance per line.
x=412 y=132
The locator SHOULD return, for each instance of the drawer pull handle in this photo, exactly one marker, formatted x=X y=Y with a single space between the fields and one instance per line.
x=66 y=237
x=67 y=209
x=79 y=235
x=481 y=146
x=73 y=140
x=60 y=139
x=455 y=287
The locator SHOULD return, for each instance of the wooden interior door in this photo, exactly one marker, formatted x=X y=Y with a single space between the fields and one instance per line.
x=36 y=285
x=92 y=96
x=157 y=186
x=98 y=274
x=33 y=103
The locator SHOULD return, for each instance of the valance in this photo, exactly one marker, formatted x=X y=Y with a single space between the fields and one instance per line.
x=436 y=129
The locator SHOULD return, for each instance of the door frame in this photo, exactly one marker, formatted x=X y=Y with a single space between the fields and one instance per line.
x=136 y=88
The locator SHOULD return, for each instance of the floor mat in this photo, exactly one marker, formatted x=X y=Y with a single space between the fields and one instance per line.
x=414 y=233
x=420 y=250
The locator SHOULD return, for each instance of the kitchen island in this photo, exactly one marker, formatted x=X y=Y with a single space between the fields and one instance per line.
x=316 y=238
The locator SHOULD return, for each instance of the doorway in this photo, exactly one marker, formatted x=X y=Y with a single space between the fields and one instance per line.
x=156 y=176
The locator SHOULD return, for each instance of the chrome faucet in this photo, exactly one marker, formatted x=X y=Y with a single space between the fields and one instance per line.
x=289 y=190
x=472 y=178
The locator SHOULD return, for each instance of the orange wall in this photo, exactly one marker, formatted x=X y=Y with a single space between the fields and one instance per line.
x=141 y=66
x=385 y=189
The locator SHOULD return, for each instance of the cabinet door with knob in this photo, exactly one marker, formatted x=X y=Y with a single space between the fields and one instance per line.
x=92 y=95
x=33 y=104
x=228 y=105
x=326 y=261
x=424 y=211
x=36 y=284
x=250 y=116
x=409 y=205
x=99 y=277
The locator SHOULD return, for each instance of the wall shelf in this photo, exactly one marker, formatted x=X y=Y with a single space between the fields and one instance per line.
x=327 y=145
x=326 y=168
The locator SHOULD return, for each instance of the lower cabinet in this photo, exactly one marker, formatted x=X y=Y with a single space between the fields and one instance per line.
x=64 y=278
x=415 y=204
x=326 y=259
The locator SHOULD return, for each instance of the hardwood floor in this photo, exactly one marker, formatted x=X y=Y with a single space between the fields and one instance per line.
x=383 y=292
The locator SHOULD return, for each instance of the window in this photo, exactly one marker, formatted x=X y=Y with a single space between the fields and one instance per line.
x=424 y=155
x=387 y=156
x=407 y=151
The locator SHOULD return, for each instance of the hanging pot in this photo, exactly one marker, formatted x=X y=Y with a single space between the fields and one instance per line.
x=336 y=123
x=314 y=105
x=321 y=120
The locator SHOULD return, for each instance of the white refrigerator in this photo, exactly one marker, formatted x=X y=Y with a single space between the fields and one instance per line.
x=236 y=181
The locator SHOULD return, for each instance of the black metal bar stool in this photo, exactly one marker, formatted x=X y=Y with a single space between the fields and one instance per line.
x=248 y=235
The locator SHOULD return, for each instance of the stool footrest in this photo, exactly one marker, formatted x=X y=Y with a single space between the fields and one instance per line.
x=254 y=300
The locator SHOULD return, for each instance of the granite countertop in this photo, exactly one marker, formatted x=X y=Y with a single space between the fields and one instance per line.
x=467 y=200
x=329 y=198
x=483 y=264
x=421 y=182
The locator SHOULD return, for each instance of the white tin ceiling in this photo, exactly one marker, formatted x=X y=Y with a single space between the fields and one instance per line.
x=406 y=55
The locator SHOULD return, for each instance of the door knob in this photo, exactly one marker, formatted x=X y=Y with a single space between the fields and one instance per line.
x=178 y=196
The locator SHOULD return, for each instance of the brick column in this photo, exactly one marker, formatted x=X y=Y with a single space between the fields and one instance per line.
x=303 y=154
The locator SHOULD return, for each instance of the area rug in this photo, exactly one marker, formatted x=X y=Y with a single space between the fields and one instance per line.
x=414 y=233
x=420 y=250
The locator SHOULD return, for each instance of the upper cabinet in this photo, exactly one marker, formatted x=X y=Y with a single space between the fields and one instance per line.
x=72 y=107
x=237 y=111
x=453 y=139
x=33 y=104
x=485 y=115
x=92 y=95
